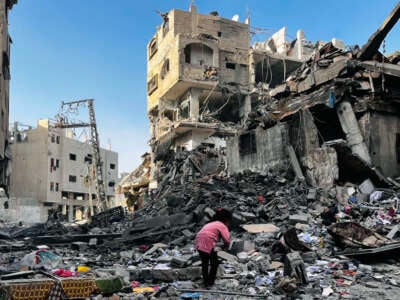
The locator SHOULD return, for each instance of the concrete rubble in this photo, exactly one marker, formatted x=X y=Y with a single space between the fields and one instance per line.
x=281 y=242
x=310 y=181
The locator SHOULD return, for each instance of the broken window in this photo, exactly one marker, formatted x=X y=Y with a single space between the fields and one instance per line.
x=57 y=187
x=230 y=65
x=57 y=139
x=88 y=159
x=152 y=47
x=327 y=122
x=112 y=166
x=274 y=71
x=165 y=69
x=111 y=184
x=247 y=144
x=72 y=178
x=6 y=66
x=51 y=186
x=72 y=156
x=152 y=85
x=57 y=163
x=219 y=33
x=198 y=54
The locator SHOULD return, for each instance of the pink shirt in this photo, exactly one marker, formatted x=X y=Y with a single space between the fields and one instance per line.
x=208 y=236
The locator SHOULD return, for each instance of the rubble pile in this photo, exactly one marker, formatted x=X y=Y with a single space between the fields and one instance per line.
x=287 y=239
x=330 y=232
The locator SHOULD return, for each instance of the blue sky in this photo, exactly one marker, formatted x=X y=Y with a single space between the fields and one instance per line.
x=74 y=49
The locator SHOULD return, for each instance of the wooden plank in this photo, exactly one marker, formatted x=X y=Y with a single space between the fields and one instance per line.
x=258 y=228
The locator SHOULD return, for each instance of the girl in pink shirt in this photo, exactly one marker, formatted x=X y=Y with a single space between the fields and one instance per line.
x=206 y=241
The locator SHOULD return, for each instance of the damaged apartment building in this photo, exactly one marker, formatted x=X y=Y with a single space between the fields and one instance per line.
x=52 y=171
x=329 y=110
x=197 y=78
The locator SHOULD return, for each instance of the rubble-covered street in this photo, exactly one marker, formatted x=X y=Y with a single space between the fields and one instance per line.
x=299 y=141
x=289 y=240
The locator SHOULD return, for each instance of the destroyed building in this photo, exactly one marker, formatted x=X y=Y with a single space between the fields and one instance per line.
x=197 y=66
x=5 y=46
x=135 y=184
x=327 y=108
x=51 y=172
x=322 y=112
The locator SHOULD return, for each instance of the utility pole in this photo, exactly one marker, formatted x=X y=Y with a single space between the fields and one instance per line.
x=62 y=122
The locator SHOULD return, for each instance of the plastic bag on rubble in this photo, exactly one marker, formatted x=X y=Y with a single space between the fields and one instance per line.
x=41 y=258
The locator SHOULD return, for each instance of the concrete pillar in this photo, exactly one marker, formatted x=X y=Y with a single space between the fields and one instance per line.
x=350 y=127
x=252 y=71
x=309 y=132
x=70 y=213
x=194 y=104
x=70 y=207
x=300 y=39
x=193 y=8
x=246 y=108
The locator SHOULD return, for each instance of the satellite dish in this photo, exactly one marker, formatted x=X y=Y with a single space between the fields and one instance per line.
x=235 y=18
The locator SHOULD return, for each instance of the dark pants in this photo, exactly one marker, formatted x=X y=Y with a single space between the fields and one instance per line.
x=209 y=274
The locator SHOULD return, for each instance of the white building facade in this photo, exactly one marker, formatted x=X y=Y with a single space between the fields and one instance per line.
x=53 y=169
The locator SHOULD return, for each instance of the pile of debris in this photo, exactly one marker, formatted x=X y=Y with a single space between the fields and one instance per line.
x=333 y=232
x=287 y=239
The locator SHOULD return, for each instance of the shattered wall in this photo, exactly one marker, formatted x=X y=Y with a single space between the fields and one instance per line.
x=384 y=143
x=320 y=98
x=267 y=152
x=185 y=45
x=321 y=166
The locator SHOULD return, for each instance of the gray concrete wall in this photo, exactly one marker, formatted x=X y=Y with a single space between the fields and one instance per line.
x=271 y=151
x=25 y=210
x=30 y=166
x=382 y=143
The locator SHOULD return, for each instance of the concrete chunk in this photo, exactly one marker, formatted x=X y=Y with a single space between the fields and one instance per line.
x=155 y=247
x=92 y=242
x=312 y=194
x=393 y=232
x=237 y=219
x=209 y=212
x=243 y=257
x=165 y=275
x=294 y=267
x=187 y=233
x=226 y=256
x=190 y=273
x=236 y=246
x=366 y=187
x=248 y=215
x=299 y=218
x=181 y=261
